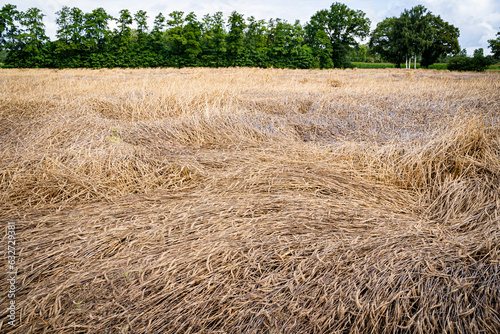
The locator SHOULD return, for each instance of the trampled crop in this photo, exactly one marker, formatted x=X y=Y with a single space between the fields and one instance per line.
x=251 y=200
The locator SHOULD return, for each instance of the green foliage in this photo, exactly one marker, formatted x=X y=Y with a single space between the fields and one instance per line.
x=213 y=40
x=175 y=36
x=340 y=25
x=386 y=41
x=235 y=40
x=3 y=56
x=415 y=33
x=477 y=63
x=29 y=42
x=438 y=66
x=192 y=33
x=8 y=28
x=70 y=35
x=328 y=40
x=256 y=42
x=358 y=54
x=494 y=45
x=141 y=18
x=372 y=65
x=159 y=24
x=123 y=33
x=443 y=41
x=414 y=25
x=96 y=28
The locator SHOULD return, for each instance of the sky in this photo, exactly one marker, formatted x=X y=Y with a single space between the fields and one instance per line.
x=478 y=20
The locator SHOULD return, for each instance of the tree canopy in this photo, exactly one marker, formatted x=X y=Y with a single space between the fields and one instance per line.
x=341 y=25
x=330 y=39
x=415 y=33
x=495 y=46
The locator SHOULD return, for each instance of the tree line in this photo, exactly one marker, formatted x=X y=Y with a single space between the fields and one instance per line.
x=330 y=39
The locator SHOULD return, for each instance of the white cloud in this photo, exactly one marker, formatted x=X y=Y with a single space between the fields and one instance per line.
x=477 y=20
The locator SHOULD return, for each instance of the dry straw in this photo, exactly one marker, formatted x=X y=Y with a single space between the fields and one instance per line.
x=252 y=201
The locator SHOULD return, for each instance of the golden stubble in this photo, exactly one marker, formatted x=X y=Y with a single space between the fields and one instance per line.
x=252 y=200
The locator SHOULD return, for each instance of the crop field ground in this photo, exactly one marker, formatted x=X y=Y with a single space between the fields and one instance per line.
x=245 y=200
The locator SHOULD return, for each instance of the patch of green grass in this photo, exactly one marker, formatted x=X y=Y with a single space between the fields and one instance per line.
x=438 y=66
x=373 y=65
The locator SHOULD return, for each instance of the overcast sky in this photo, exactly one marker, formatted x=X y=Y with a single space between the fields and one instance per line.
x=478 y=20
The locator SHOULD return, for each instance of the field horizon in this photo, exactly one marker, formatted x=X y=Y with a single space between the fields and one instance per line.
x=251 y=200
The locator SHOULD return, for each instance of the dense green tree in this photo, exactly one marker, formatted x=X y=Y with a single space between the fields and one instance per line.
x=69 y=46
x=236 y=40
x=387 y=41
x=123 y=33
x=461 y=62
x=77 y=27
x=443 y=41
x=342 y=26
x=64 y=22
x=192 y=35
x=175 y=36
x=329 y=39
x=141 y=19
x=279 y=34
x=300 y=55
x=256 y=42
x=159 y=23
x=358 y=54
x=494 y=44
x=287 y=45
x=213 y=40
x=71 y=27
x=29 y=40
x=321 y=47
x=8 y=28
x=96 y=25
x=33 y=35
x=183 y=38
x=416 y=33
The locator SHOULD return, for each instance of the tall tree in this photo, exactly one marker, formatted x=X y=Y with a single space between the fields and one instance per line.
x=256 y=42
x=214 y=39
x=123 y=33
x=69 y=44
x=159 y=23
x=141 y=19
x=192 y=35
x=29 y=40
x=443 y=40
x=299 y=53
x=387 y=41
x=97 y=27
x=235 y=39
x=77 y=27
x=8 y=28
x=63 y=20
x=494 y=44
x=33 y=35
x=341 y=25
x=414 y=25
x=175 y=36
x=416 y=33
x=280 y=34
